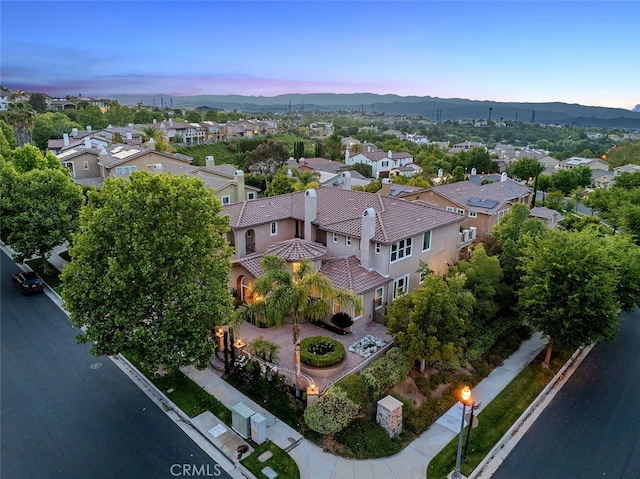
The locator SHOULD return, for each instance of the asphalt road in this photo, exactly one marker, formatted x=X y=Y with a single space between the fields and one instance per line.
x=67 y=414
x=592 y=427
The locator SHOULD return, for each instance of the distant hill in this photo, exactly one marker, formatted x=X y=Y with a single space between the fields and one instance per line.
x=426 y=106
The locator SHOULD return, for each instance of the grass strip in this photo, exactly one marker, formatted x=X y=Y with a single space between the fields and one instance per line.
x=281 y=462
x=498 y=416
x=52 y=278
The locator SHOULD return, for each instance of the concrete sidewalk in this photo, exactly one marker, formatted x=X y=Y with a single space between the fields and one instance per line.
x=313 y=461
x=411 y=462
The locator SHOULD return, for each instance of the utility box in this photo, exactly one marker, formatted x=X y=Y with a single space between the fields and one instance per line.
x=240 y=419
x=258 y=428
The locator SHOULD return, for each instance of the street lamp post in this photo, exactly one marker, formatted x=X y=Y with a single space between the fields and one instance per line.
x=472 y=408
x=465 y=398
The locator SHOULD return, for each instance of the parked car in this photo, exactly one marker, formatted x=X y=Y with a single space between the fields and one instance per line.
x=28 y=282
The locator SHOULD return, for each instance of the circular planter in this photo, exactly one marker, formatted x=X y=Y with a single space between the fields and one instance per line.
x=325 y=372
x=320 y=351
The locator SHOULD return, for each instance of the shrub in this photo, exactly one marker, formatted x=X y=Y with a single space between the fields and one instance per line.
x=419 y=420
x=332 y=412
x=320 y=351
x=264 y=349
x=356 y=389
x=386 y=372
x=424 y=385
x=342 y=320
x=366 y=439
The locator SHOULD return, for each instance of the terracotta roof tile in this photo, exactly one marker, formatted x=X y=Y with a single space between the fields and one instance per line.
x=347 y=273
x=297 y=249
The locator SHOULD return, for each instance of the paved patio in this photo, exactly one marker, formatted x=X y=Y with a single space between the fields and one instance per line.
x=284 y=338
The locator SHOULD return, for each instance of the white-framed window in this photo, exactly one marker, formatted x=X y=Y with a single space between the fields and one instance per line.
x=274 y=228
x=401 y=286
x=377 y=300
x=473 y=214
x=460 y=210
x=334 y=237
x=251 y=195
x=449 y=208
x=85 y=165
x=426 y=241
x=401 y=249
x=226 y=200
x=347 y=240
x=69 y=165
x=378 y=248
x=385 y=163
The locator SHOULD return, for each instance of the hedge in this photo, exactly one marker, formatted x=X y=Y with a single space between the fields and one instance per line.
x=334 y=356
x=386 y=372
x=332 y=412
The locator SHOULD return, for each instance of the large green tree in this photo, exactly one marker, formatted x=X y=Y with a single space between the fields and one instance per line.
x=568 y=292
x=51 y=125
x=150 y=270
x=268 y=157
x=429 y=323
x=525 y=168
x=39 y=209
x=289 y=297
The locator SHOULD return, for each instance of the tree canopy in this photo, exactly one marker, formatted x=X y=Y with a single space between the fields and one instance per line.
x=568 y=292
x=429 y=322
x=150 y=270
x=39 y=209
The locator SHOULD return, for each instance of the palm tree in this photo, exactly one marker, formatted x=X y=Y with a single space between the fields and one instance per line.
x=290 y=297
x=305 y=179
x=21 y=117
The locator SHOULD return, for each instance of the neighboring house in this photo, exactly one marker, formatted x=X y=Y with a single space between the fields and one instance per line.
x=365 y=241
x=466 y=145
x=481 y=205
x=404 y=192
x=576 y=161
x=346 y=179
x=550 y=164
x=381 y=163
x=4 y=100
x=551 y=218
x=91 y=166
x=628 y=168
x=226 y=181
x=602 y=179
x=178 y=132
x=214 y=132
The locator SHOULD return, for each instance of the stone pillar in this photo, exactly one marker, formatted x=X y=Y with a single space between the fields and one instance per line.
x=389 y=415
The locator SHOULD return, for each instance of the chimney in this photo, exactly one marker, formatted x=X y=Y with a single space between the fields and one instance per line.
x=390 y=154
x=503 y=177
x=170 y=122
x=239 y=177
x=74 y=132
x=310 y=211
x=346 y=180
x=386 y=187
x=474 y=172
x=346 y=156
x=129 y=136
x=210 y=162
x=88 y=127
x=155 y=121
x=368 y=232
x=87 y=142
x=103 y=156
x=65 y=139
x=151 y=144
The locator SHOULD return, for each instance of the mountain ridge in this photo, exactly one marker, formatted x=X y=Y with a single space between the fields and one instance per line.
x=426 y=106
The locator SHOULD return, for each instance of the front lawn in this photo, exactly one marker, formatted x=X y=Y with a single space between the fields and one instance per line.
x=281 y=462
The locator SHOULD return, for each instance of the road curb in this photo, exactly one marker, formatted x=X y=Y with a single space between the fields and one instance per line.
x=501 y=450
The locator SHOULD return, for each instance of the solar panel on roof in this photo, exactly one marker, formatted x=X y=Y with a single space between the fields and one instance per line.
x=482 y=202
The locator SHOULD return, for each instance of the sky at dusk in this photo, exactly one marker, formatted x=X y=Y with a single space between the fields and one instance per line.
x=585 y=52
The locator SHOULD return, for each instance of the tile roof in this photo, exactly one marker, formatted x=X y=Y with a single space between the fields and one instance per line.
x=348 y=273
x=340 y=211
x=251 y=263
x=297 y=249
x=494 y=195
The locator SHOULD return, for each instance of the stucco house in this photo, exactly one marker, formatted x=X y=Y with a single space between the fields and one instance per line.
x=367 y=242
x=576 y=161
x=91 y=166
x=481 y=204
x=381 y=163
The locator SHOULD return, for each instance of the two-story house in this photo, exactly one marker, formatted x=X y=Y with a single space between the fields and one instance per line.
x=381 y=163
x=91 y=166
x=367 y=242
x=481 y=204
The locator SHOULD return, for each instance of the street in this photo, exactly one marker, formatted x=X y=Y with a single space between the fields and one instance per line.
x=592 y=427
x=68 y=414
